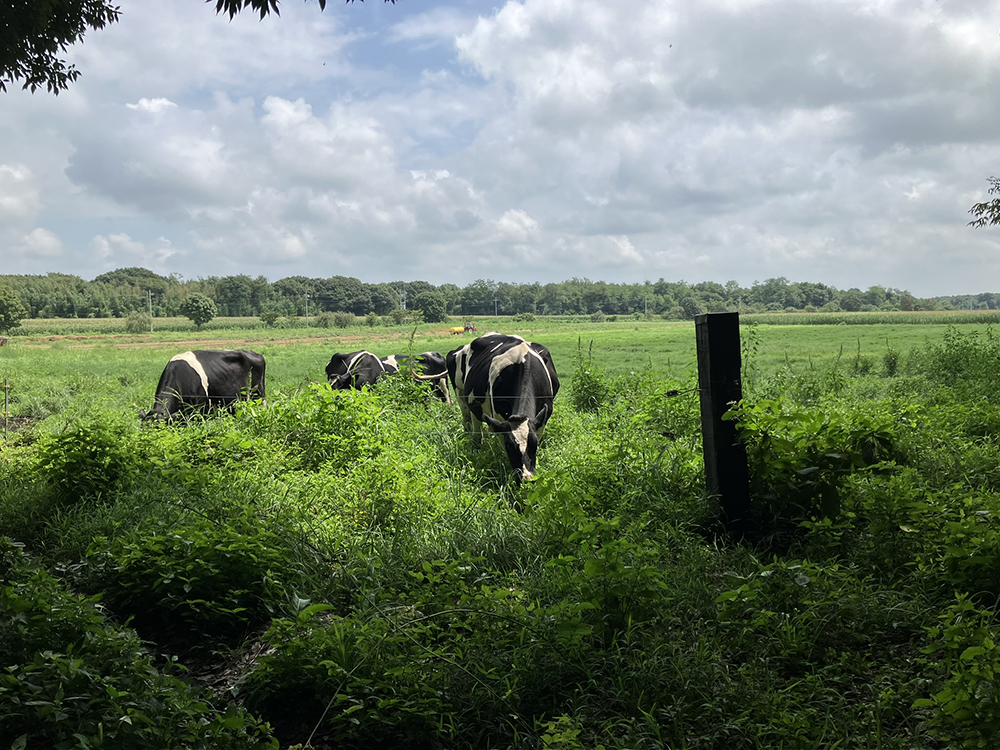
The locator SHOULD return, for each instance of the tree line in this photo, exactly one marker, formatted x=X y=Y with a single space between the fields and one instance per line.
x=127 y=290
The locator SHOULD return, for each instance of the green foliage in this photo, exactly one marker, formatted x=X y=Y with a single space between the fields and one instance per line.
x=965 y=712
x=590 y=389
x=799 y=457
x=12 y=312
x=330 y=427
x=964 y=361
x=191 y=578
x=33 y=37
x=198 y=308
x=71 y=679
x=87 y=460
x=269 y=316
x=524 y=317
x=419 y=599
x=433 y=305
x=372 y=319
x=343 y=320
x=138 y=322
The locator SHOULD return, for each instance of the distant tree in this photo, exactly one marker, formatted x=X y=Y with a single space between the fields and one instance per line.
x=988 y=213
x=691 y=307
x=198 y=308
x=134 y=276
x=12 y=312
x=907 y=302
x=35 y=34
x=851 y=300
x=269 y=316
x=138 y=322
x=384 y=298
x=433 y=305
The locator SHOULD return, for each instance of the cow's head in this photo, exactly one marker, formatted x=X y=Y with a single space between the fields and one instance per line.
x=520 y=439
x=339 y=382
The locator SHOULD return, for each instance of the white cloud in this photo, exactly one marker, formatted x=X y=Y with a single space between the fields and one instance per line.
x=740 y=139
x=19 y=199
x=119 y=250
x=40 y=243
x=153 y=106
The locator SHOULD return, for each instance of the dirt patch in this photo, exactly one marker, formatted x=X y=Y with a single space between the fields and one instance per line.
x=14 y=424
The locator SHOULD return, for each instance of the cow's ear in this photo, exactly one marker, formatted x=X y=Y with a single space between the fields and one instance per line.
x=495 y=425
x=543 y=416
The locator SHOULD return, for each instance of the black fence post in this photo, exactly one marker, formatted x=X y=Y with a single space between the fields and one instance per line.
x=726 y=472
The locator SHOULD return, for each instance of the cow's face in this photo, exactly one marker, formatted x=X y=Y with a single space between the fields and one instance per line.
x=339 y=382
x=520 y=440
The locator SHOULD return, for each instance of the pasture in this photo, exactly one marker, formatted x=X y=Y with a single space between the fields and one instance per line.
x=345 y=570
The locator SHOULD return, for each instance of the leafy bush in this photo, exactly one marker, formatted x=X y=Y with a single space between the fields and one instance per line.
x=269 y=316
x=590 y=388
x=524 y=317
x=343 y=320
x=966 y=710
x=798 y=457
x=73 y=680
x=189 y=578
x=89 y=459
x=138 y=321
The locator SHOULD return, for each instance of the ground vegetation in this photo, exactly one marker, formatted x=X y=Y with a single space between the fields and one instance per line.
x=345 y=570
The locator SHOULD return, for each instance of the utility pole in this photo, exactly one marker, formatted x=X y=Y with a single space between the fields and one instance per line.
x=150 y=293
x=495 y=313
x=402 y=299
x=645 y=305
x=307 y=309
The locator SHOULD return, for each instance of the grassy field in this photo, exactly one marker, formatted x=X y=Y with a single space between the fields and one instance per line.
x=46 y=369
x=346 y=570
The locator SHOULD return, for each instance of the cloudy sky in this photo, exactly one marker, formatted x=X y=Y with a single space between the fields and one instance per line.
x=840 y=141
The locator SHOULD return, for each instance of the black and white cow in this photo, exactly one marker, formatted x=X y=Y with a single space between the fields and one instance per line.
x=509 y=384
x=354 y=370
x=204 y=380
x=429 y=366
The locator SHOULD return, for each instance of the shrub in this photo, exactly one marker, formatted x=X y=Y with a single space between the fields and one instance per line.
x=590 y=389
x=191 y=578
x=138 y=321
x=73 y=680
x=524 y=317
x=798 y=456
x=371 y=319
x=343 y=320
x=88 y=459
x=597 y=317
x=269 y=316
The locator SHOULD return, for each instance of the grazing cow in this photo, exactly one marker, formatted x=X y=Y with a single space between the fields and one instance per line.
x=429 y=366
x=354 y=370
x=509 y=384
x=204 y=380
